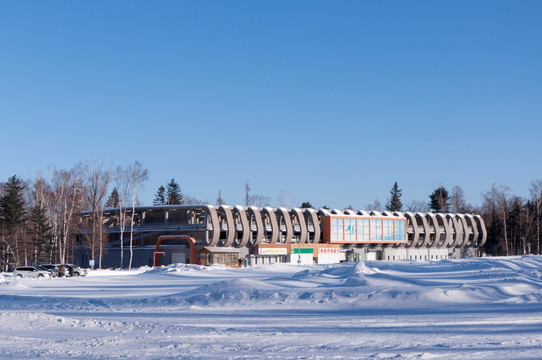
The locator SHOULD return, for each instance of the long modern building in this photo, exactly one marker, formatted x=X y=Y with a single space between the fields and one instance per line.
x=266 y=235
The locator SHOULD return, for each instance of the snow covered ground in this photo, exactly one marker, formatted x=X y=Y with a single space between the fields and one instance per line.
x=488 y=308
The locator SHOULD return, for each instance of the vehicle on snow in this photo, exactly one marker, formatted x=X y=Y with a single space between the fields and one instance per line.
x=55 y=272
x=30 y=272
x=73 y=270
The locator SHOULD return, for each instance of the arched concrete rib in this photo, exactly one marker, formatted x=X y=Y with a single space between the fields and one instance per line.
x=273 y=222
x=349 y=212
x=482 y=230
x=446 y=236
x=387 y=213
x=455 y=220
x=474 y=228
x=242 y=216
x=312 y=216
x=230 y=233
x=256 y=217
x=285 y=216
x=411 y=218
x=432 y=219
x=376 y=213
x=302 y=224
x=337 y=212
x=215 y=233
x=464 y=231
x=426 y=232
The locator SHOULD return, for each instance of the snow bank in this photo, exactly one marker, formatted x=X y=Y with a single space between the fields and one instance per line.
x=477 y=308
x=390 y=285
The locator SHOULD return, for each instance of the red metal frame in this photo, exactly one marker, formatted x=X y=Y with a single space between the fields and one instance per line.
x=191 y=243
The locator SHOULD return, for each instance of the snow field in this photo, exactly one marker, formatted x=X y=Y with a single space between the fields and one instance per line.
x=471 y=309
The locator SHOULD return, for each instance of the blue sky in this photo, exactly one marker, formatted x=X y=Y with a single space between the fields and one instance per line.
x=330 y=101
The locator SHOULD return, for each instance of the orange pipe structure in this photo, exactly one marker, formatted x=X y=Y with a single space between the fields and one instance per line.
x=191 y=243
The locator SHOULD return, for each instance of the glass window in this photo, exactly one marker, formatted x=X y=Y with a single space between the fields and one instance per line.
x=400 y=231
x=388 y=230
x=376 y=229
x=337 y=229
x=350 y=229
x=363 y=230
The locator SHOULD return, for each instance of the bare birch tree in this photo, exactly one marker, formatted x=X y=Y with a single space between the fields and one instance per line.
x=536 y=194
x=255 y=200
x=123 y=187
x=96 y=181
x=285 y=199
x=42 y=198
x=496 y=207
x=458 y=204
x=417 y=206
x=375 y=206
x=67 y=187
x=136 y=176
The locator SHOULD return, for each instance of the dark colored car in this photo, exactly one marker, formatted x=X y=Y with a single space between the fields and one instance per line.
x=55 y=272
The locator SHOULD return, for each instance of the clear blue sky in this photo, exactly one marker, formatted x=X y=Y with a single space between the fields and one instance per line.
x=331 y=101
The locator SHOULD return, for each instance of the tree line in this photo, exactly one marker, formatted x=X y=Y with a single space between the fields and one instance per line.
x=512 y=222
x=39 y=217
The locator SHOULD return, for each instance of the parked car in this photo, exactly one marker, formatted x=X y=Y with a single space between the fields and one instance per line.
x=30 y=272
x=73 y=270
x=55 y=272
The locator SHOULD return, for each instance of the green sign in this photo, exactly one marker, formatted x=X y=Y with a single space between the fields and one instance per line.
x=302 y=251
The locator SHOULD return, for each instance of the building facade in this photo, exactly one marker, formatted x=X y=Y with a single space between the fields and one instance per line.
x=358 y=234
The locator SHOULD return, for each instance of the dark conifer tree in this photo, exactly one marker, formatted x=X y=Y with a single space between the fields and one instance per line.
x=306 y=204
x=173 y=193
x=41 y=238
x=395 y=203
x=440 y=200
x=219 y=200
x=160 y=197
x=12 y=220
x=114 y=199
x=12 y=206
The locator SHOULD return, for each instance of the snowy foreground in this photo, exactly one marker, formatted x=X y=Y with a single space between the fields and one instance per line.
x=486 y=308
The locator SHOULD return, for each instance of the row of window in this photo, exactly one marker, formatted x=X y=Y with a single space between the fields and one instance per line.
x=359 y=230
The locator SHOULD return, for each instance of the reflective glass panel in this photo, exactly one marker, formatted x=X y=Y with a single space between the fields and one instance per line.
x=400 y=233
x=388 y=230
x=350 y=229
x=376 y=229
x=337 y=229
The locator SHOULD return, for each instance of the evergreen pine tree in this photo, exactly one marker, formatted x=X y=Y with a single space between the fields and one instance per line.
x=440 y=200
x=173 y=193
x=395 y=203
x=12 y=219
x=160 y=197
x=114 y=199
x=219 y=200
x=306 y=204
x=40 y=234
x=12 y=206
